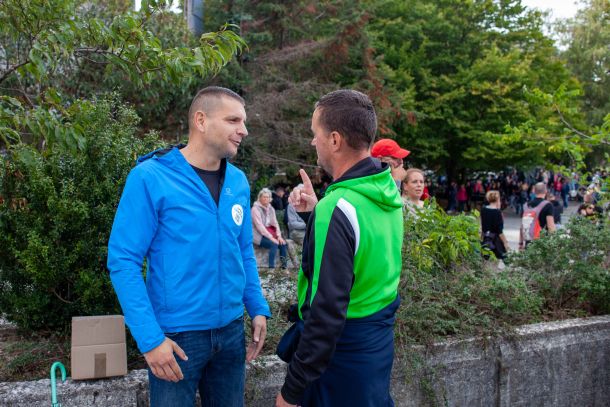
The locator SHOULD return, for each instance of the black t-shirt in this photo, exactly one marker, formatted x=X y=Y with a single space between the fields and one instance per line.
x=491 y=220
x=212 y=180
x=546 y=211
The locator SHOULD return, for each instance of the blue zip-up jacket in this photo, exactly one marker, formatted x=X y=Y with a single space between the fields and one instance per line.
x=201 y=268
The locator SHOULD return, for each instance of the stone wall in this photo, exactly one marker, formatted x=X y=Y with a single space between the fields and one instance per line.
x=557 y=364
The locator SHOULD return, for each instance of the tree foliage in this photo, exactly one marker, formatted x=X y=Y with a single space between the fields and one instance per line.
x=52 y=53
x=586 y=37
x=460 y=83
x=324 y=46
x=67 y=146
x=56 y=212
x=467 y=64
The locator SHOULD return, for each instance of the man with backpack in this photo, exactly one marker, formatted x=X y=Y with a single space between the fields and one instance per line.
x=537 y=215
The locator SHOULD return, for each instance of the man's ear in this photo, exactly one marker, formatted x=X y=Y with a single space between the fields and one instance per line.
x=337 y=140
x=199 y=119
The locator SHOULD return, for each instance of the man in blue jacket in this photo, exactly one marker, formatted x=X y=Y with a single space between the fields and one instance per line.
x=186 y=211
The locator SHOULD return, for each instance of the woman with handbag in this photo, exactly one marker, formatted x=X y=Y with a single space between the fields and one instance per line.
x=266 y=231
x=492 y=225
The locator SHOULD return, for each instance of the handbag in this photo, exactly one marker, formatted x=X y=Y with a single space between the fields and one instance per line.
x=493 y=242
x=271 y=229
x=289 y=342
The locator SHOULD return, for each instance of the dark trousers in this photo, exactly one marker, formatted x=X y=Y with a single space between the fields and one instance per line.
x=273 y=248
x=359 y=372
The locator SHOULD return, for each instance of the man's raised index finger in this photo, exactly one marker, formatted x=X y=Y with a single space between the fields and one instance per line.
x=306 y=181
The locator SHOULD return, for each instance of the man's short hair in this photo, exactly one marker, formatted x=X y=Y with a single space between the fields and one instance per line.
x=207 y=100
x=351 y=114
x=540 y=188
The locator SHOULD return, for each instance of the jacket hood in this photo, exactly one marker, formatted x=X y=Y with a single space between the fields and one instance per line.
x=172 y=158
x=158 y=153
x=373 y=179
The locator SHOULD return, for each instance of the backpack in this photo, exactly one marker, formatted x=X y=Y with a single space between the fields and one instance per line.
x=530 y=224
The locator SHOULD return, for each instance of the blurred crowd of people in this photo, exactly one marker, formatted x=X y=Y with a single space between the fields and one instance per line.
x=490 y=193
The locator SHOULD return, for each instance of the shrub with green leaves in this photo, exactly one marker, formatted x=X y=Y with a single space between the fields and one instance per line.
x=571 y=268
x=446 y=286
x=56 y=212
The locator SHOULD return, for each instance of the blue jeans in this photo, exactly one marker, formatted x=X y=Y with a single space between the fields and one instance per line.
x=216 y=366
x=268 y=244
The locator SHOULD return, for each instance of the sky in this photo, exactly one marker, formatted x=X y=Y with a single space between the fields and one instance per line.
x=559 y=8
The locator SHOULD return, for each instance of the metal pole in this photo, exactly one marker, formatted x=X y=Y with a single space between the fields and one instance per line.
x=193 y=12
x=54 y=402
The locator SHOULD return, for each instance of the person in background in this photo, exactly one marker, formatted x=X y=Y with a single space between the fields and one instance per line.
x=277 y=198
x=543 y=210
x=590 y=211
x=266 y=230
x=296 y=224
x=522 y=198
x=557 y=208
x=492 y=225
x=413 y=189
x=452 y=190
x=565 y=191
x=462 y=197
x=428 y=193
x=590 y=200
x=478 y=193
x=388 y=151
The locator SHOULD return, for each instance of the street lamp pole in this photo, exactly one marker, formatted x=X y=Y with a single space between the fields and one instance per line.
x=193 y=12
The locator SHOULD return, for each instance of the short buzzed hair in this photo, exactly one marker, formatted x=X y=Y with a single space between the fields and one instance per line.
x=207 y=99
x=351 y=114
x=540 y=188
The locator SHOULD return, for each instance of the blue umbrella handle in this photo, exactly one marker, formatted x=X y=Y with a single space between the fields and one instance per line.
x=55 y=365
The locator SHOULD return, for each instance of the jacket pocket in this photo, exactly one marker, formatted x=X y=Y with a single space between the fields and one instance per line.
x=172 y=274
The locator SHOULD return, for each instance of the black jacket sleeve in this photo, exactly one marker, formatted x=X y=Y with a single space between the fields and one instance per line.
x=326 y=319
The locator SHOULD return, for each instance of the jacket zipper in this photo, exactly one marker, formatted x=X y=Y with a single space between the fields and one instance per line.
x=219 y=260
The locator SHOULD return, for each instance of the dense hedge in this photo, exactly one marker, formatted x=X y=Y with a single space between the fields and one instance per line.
x=570 y=270
x=55 y=217
x=448 y=289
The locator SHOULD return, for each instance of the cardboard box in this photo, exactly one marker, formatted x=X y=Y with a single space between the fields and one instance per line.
x=98 y=347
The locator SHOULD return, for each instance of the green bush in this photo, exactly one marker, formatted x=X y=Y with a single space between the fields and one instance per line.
x=448 y=289
x=571 y=268
x=56 y=212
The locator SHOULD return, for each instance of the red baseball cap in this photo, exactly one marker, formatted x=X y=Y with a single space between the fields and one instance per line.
x=388 y=148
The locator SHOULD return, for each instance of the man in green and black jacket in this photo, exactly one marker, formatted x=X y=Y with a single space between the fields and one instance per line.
x=348 y=282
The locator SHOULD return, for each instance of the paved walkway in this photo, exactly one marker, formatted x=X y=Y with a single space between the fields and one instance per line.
x=512 y=223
